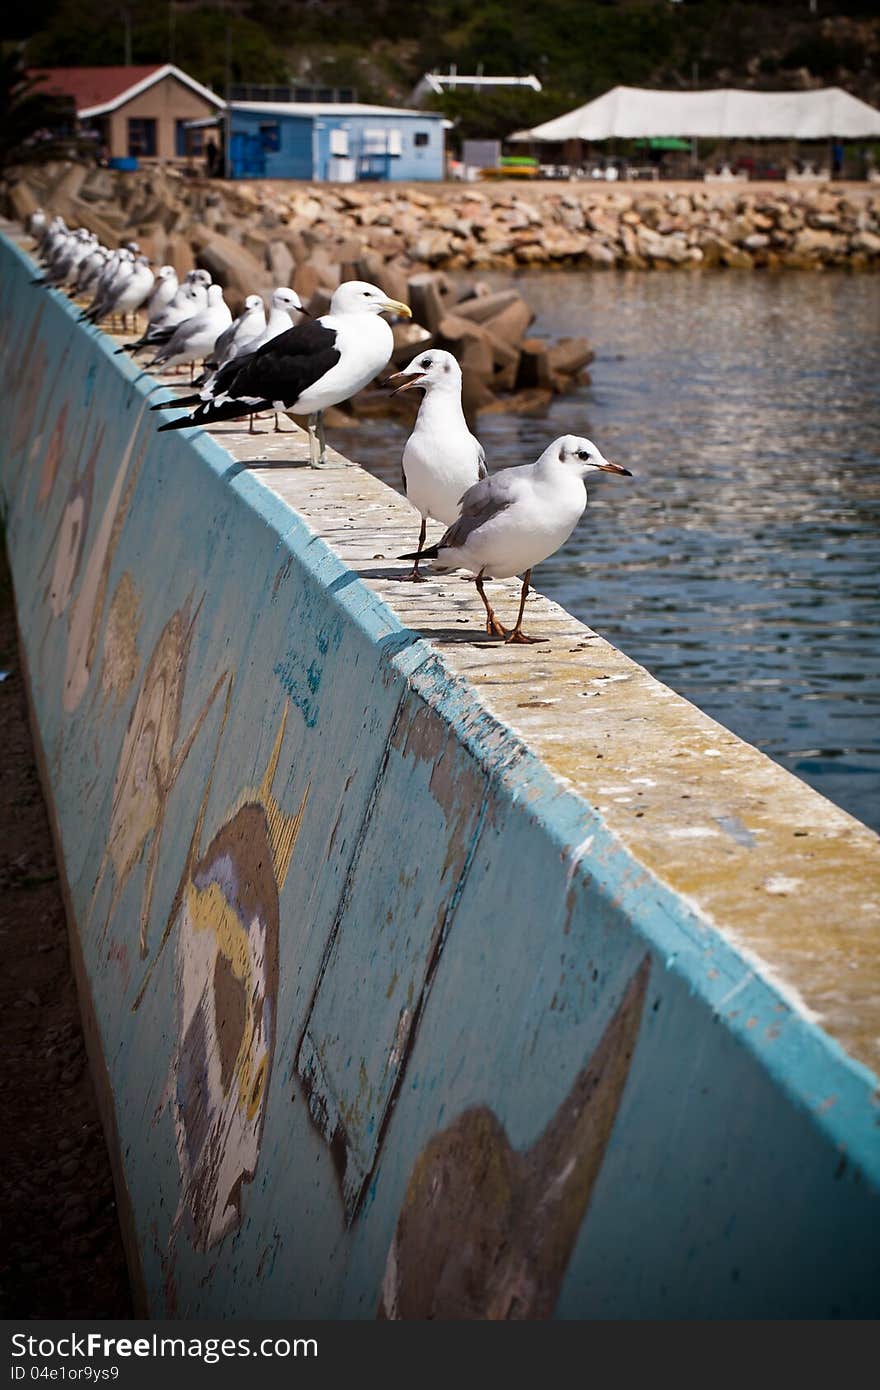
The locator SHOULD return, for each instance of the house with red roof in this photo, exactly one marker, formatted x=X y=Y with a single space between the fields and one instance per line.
x=137 y=111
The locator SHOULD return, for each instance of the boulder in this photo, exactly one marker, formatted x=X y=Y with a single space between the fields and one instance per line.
x=425 y=300
x=280 y=262
x=232 y=266
x=534 y=365
x=570 y=355
x=510 y=325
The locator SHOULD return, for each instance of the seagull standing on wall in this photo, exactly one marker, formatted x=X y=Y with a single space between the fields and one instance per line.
x=441 y=458
x=318 y=363
x=512 y=521
x=194 y=339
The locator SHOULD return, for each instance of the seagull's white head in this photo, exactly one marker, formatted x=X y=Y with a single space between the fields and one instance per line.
x=253 y=302
x=359 y=297
x=196 y=294
x=433 y=370
x=580 y=455
x=287 y=299
x=198 y=277
x=215 y=296
x=166 y=272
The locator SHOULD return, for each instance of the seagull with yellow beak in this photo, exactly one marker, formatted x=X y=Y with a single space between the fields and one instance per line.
x=316 y=364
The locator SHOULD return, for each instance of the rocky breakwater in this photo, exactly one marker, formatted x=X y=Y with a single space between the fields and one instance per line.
x=253 y=235
x=239 y=233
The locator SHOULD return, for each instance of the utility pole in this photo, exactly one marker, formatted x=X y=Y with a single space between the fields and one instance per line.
x=172 y=20
x=126 y=37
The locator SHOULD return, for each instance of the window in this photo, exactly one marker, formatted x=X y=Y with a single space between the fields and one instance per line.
x=188 y=142
x=422 y=138
x=142 y=136
x=382 y=142
x=270 y=136
x=339 y=142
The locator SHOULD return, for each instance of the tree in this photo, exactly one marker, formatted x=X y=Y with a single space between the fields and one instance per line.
x=25 y=112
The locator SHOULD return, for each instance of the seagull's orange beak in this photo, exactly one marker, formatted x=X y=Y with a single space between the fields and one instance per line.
x=609 y=467
x=410 y=379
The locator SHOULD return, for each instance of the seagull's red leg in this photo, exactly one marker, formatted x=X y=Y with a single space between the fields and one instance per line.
x=517 y=635
x=493 y=627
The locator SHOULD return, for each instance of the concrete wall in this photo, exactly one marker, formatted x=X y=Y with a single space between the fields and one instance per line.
x=391 y=1018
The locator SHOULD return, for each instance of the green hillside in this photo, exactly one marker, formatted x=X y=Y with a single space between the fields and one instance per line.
x=578 y=48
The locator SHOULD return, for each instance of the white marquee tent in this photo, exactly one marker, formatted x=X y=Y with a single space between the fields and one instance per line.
x=629 y=113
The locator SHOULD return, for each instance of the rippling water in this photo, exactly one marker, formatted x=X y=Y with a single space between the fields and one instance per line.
x=740 y=564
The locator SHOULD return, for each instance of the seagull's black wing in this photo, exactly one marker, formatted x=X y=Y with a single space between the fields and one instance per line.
x=280 y=370
x=283 y=368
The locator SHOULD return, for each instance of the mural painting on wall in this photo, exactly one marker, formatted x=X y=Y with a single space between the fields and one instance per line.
x=65 y=549
x=487 y=1231
x=150 y=763
x=87 y=609
x=226 y=973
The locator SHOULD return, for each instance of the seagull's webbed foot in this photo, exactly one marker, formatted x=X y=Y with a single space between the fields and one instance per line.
x=414 y=576
x=516 y=637
x=493 y=627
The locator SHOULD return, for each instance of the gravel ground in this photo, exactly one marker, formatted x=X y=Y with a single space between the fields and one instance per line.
x=60 y=1250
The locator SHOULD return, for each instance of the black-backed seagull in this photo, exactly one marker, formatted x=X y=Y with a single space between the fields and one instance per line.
x=316 y=364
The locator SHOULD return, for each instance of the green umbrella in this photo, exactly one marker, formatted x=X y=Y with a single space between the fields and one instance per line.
x=664 y=142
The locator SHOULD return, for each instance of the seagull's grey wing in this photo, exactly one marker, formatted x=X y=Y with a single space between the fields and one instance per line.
x=482 y=470
x=480 y=504
x=226 y=340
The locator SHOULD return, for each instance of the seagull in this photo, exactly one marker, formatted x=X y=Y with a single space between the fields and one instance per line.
x=195 y=337
x=119 y=268
x=164 y=290
x=316 y=364
x=441 y=458
x=134 y=291
x=513 y=520
x=89 y=271
x=36 y=224
x=241 y=335
x=285 y=303
x=190 y=298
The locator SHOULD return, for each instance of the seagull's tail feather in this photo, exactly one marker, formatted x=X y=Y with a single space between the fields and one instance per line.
x=211 y=414
x=430 y=554
x=177 y=402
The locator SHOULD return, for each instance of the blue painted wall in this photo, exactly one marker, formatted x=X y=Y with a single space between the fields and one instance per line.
x=279 y=144
x=392 y=1022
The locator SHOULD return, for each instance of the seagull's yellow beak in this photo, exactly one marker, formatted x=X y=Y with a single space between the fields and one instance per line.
x=394 y=306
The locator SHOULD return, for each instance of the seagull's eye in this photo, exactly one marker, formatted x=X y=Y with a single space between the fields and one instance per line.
x=425 y=363
x=582 y=454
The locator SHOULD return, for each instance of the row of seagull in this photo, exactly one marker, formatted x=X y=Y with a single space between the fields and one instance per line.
x=497 y=525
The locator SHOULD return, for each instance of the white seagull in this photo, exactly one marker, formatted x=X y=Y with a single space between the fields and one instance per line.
x=513 y=520
x=164 y=290
x=441 y=458
x=318 y=363
x=194 y=339
x=190 y=298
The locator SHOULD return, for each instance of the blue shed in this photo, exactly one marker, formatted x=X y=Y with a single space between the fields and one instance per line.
x=337 y=142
